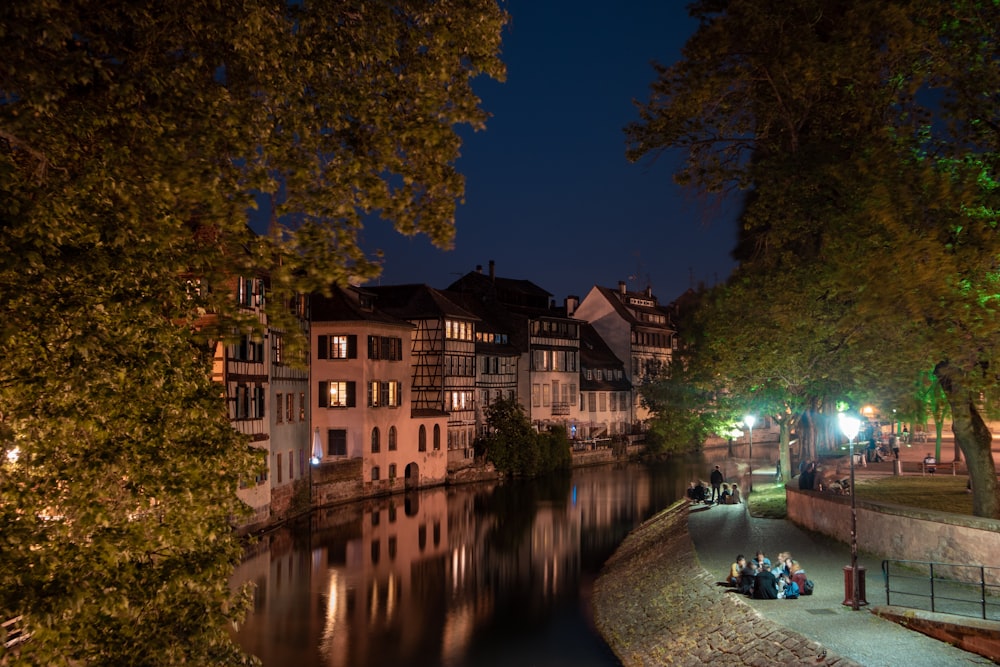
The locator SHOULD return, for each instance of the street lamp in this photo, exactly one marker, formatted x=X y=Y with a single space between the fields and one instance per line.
x=850 y=426
x=749 y=420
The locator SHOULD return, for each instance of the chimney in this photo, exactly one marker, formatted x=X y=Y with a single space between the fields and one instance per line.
x=621 y=287
x=492 y=270
x=571 y=303
x=649 y=291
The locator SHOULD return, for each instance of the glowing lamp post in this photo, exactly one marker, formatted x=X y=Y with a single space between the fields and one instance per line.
x=850 y=425
x=749 y=420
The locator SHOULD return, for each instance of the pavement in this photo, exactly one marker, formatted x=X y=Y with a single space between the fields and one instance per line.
x=721 y=532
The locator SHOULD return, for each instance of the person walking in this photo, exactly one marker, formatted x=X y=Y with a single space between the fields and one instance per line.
x=716 y=478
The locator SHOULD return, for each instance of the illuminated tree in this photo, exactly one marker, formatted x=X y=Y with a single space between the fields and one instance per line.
x=866 y=134
x=134 y=137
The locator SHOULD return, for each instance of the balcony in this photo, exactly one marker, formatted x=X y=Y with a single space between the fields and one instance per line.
x=560 y=409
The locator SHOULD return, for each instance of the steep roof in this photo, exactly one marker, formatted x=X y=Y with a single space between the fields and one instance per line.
x=348 y=305
x=493 y=318
x=508 y=291
x=414 y=302
x=595 y=354
x=640 y=302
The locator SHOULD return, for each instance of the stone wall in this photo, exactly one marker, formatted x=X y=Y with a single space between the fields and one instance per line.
x=896 y=532
x=337 y=481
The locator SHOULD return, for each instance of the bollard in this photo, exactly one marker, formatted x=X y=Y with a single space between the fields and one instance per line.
x=849 y=586
x=897 y=467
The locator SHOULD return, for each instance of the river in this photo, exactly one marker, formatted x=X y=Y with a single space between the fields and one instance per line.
x=465 y=576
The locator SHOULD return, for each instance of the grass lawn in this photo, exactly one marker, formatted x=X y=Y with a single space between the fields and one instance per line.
x=943 y=493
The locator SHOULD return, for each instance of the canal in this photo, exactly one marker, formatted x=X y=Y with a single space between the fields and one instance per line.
x=472 y=575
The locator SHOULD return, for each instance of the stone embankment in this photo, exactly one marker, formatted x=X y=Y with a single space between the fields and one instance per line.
x=655 y=604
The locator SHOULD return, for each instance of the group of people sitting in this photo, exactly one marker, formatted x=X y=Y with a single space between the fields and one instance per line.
x=698 y=492
x=760 y=580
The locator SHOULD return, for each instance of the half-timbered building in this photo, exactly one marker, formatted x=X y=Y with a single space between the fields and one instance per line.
x=443 y=374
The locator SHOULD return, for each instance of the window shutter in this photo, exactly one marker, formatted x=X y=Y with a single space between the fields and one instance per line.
x=351 y=394
x=324 y=393
x=371 y=395
x=352 y=347
x=373 y=347
x=323 y=347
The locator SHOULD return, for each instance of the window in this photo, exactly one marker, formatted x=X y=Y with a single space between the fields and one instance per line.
x=302 y=406
x=279 y=468
x=536 y=395
x=248 y=349
x=604 y=402
x=437 y=437
x=546 y=395
x=392 y=438
x=278 y=414
x=613 y=400
x=291 y=465
x=337 y=347
x=394 y=394
x=460 y=400
x=392 y=471
x=278 y=348
x=376 y=444
x=381 y=394
x=375 y=474
x=385 y=347
x=336 y=442
x=422 y=439
x=249 y=402
x=592 y=401
x=249 y=292
x=289 y=408
x=336 y=394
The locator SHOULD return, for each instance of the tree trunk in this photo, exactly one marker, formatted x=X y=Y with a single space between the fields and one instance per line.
x=784 y=455
x=973 y=436
x=807 y=436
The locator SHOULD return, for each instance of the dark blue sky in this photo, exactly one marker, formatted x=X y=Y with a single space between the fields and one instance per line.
x=549 y=194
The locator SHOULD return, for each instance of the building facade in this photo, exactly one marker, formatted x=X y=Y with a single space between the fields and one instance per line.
x=361 y=368
x=443 y=352
x=637 y=329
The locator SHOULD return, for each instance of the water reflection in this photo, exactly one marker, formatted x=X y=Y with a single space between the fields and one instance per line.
x=486 y=574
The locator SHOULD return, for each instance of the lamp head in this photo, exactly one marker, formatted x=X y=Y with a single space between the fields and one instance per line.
x=849 y=424
x=749 y=420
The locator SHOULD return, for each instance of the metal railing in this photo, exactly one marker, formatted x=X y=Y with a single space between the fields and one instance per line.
x=948 y=588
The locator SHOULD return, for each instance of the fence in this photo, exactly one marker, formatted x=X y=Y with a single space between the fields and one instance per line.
x=950 y=588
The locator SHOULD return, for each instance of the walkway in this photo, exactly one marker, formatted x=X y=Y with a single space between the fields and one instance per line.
x=658 y=601
x=719 y=532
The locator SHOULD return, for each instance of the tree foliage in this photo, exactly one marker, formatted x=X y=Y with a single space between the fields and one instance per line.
x=866 y=137
x=515 y=448
x=134 y=138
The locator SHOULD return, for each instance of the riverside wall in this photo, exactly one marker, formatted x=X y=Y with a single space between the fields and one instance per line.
x=898 y=532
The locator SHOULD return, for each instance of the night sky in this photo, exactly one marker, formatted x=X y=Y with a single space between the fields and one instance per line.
x=549 y=194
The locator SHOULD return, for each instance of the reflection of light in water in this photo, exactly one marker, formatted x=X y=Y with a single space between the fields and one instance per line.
x=459 y=626
x=331 y=621
x=390 y=598
x=458 y=565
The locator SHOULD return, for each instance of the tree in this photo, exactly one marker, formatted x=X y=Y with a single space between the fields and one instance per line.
x=511 y=442
x=133 y=141
x=866 y=135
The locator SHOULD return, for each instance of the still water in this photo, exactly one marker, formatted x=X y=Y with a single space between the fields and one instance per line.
x=475 y=575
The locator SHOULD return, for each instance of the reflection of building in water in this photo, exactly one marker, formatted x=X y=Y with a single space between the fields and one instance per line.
x=418 y=578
